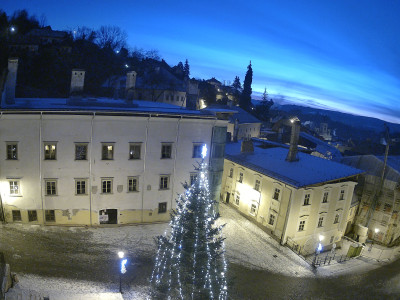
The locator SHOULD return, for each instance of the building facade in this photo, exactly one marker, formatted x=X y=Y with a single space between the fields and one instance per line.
x=297 y=202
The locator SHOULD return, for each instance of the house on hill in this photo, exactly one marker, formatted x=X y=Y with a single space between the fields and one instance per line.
x=298 y=198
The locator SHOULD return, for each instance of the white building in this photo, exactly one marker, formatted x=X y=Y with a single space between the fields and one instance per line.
x=92 y=161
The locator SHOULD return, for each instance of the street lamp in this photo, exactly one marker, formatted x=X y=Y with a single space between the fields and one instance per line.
x=376 y=232
x=123 y=268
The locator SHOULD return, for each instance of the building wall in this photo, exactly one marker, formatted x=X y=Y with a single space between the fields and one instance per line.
x=245 y=130
x=165 y=96
x=289 y=209
x=31 y=131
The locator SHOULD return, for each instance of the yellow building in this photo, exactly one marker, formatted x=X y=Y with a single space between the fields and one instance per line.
x=299 y=198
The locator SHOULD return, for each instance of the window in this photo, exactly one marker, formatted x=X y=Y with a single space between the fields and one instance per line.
x=106 y=185
x=81 y=151
x=197 y=148
x=336 y=219
x=387 y=207
x=257 y=185
x=50 y=215
x=218 y=150
x=50 y=151
x=240 y=177
x=253 y=209
x=107 y=151
x=32 y=215
x=164 y=182
x=166 y=150
x=134 y=151
x=162 y=207
x=341 y=197
x=51 y=187
x=325 y=197
x=307 y=199
x=301 y=225
x=271 y=219
x=231 y=172
x=16 y=215
x=14 y=187
x=80 y=186
x=12 y=151
x=320 y=221
x=193 y=178
x=133 y=184
x=237 y=199
x=276 y=194
x=332 y=238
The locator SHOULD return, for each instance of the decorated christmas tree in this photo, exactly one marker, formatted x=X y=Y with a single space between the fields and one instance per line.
x=190 y=262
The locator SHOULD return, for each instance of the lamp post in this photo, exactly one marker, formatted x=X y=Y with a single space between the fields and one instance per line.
x=122 y=269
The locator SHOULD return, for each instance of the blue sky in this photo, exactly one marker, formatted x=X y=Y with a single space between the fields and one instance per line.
x=342 y=55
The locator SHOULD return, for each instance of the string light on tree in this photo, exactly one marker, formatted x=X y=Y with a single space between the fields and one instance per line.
x=190 y=262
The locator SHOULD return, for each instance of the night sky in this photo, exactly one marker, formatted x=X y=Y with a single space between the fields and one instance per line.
x=342 y=55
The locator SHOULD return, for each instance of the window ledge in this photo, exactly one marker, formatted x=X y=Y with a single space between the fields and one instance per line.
x=55 y=195
x=163 y=189
x=81 y=194
x=15 y=195
x=132 y=192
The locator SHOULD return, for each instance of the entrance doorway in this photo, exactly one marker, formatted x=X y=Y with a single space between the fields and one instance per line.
x=228 y=195
x=108 y=216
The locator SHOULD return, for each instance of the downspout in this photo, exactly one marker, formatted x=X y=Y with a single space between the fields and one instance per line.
x=283 y=238
x=3 y=217
x=144 y=166
x=40 y=166
x=175 y=155
x=90 y=170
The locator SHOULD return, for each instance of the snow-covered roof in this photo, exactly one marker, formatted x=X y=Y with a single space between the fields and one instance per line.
x=101 y=105
x=323 y=147
x=243 y=116
x=307 y=171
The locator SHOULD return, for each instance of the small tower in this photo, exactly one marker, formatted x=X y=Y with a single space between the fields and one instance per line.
x=77 y=82
x=11 y=80
x=130 y=85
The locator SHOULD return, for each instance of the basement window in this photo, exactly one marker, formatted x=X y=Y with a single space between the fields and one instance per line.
x=16 y=215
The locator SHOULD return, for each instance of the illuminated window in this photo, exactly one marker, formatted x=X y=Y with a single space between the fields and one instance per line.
x=32 y=215
x=341 y=197
x=162 y=207
x=193 y=178
x=325 y=197
x=12 y=151
x=231 y=172
x=240 y=177
x=107 y=152
x=276 y=194
x=197 y=150
x=166 y=150
x=253 y=209
x=133 y=183
x=271 y=219
x=50 y=215
x=320 y=221
x=106 y=185
x=14 y=187
x=51 y=187
x=16 y=214
x=134 y=151
x=257 y=185
x=80 y=186
x=301 y=225
x=50 y=151
x=164 y=182
x=336 y=219
x=307 y=199
x=81 y=151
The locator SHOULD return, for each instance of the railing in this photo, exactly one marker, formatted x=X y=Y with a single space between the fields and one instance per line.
x=328 y=259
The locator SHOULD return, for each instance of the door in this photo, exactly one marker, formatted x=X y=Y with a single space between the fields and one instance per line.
x=108 y=216
x=227 y=197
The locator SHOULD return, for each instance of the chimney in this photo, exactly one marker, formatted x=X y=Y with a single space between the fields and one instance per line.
x=235 y=130
x=294 y=140
x=77 y=83
x=11 y=80
x=247 y=146
x=130 y=85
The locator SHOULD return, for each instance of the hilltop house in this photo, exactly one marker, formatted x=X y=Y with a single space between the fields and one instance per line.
x=298 y=198
x=92 y=161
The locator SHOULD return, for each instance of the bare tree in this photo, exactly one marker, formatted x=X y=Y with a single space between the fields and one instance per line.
x=84 y=33
x=111 y=37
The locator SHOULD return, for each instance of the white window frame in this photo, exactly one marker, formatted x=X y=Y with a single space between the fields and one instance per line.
x=107 y=190
x=337 y=219
x=78 y=181
x=237 y=199
x=164 y=153
x=86 y=149
x=277 y=191
x=130 y=185
x=50 y=182
x=320 y=222
x=162 y=204
x=13 y=152
x=253 y=209
x=257 y=185
x=307 y=199
x=109 y=150
x=241 y=175
x=50 y=150
x=15 y=187
x=271 y=218
x=302 y=225
x=132 y=153
x=164 y=182
x=231 y=173
x=193 y=178
x=341 y=194
x=325 y=199
x=197 y=149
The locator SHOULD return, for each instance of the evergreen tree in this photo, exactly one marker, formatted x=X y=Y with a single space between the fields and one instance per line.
x=245 y=97
x=262 y=109
x=186 y=69
x=237 y=89
x=190 y=262
x=265 y=95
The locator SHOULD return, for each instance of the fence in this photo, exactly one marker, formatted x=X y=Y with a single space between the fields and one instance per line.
x=328 y=259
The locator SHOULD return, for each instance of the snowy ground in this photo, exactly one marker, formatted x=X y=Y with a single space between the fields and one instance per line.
x=80 y=263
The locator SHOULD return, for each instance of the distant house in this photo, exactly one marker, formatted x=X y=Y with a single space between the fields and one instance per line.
x=379 y=200
x=299 y=201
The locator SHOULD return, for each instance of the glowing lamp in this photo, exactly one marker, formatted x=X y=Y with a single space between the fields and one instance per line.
x=121 y=254
x=204 y=151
